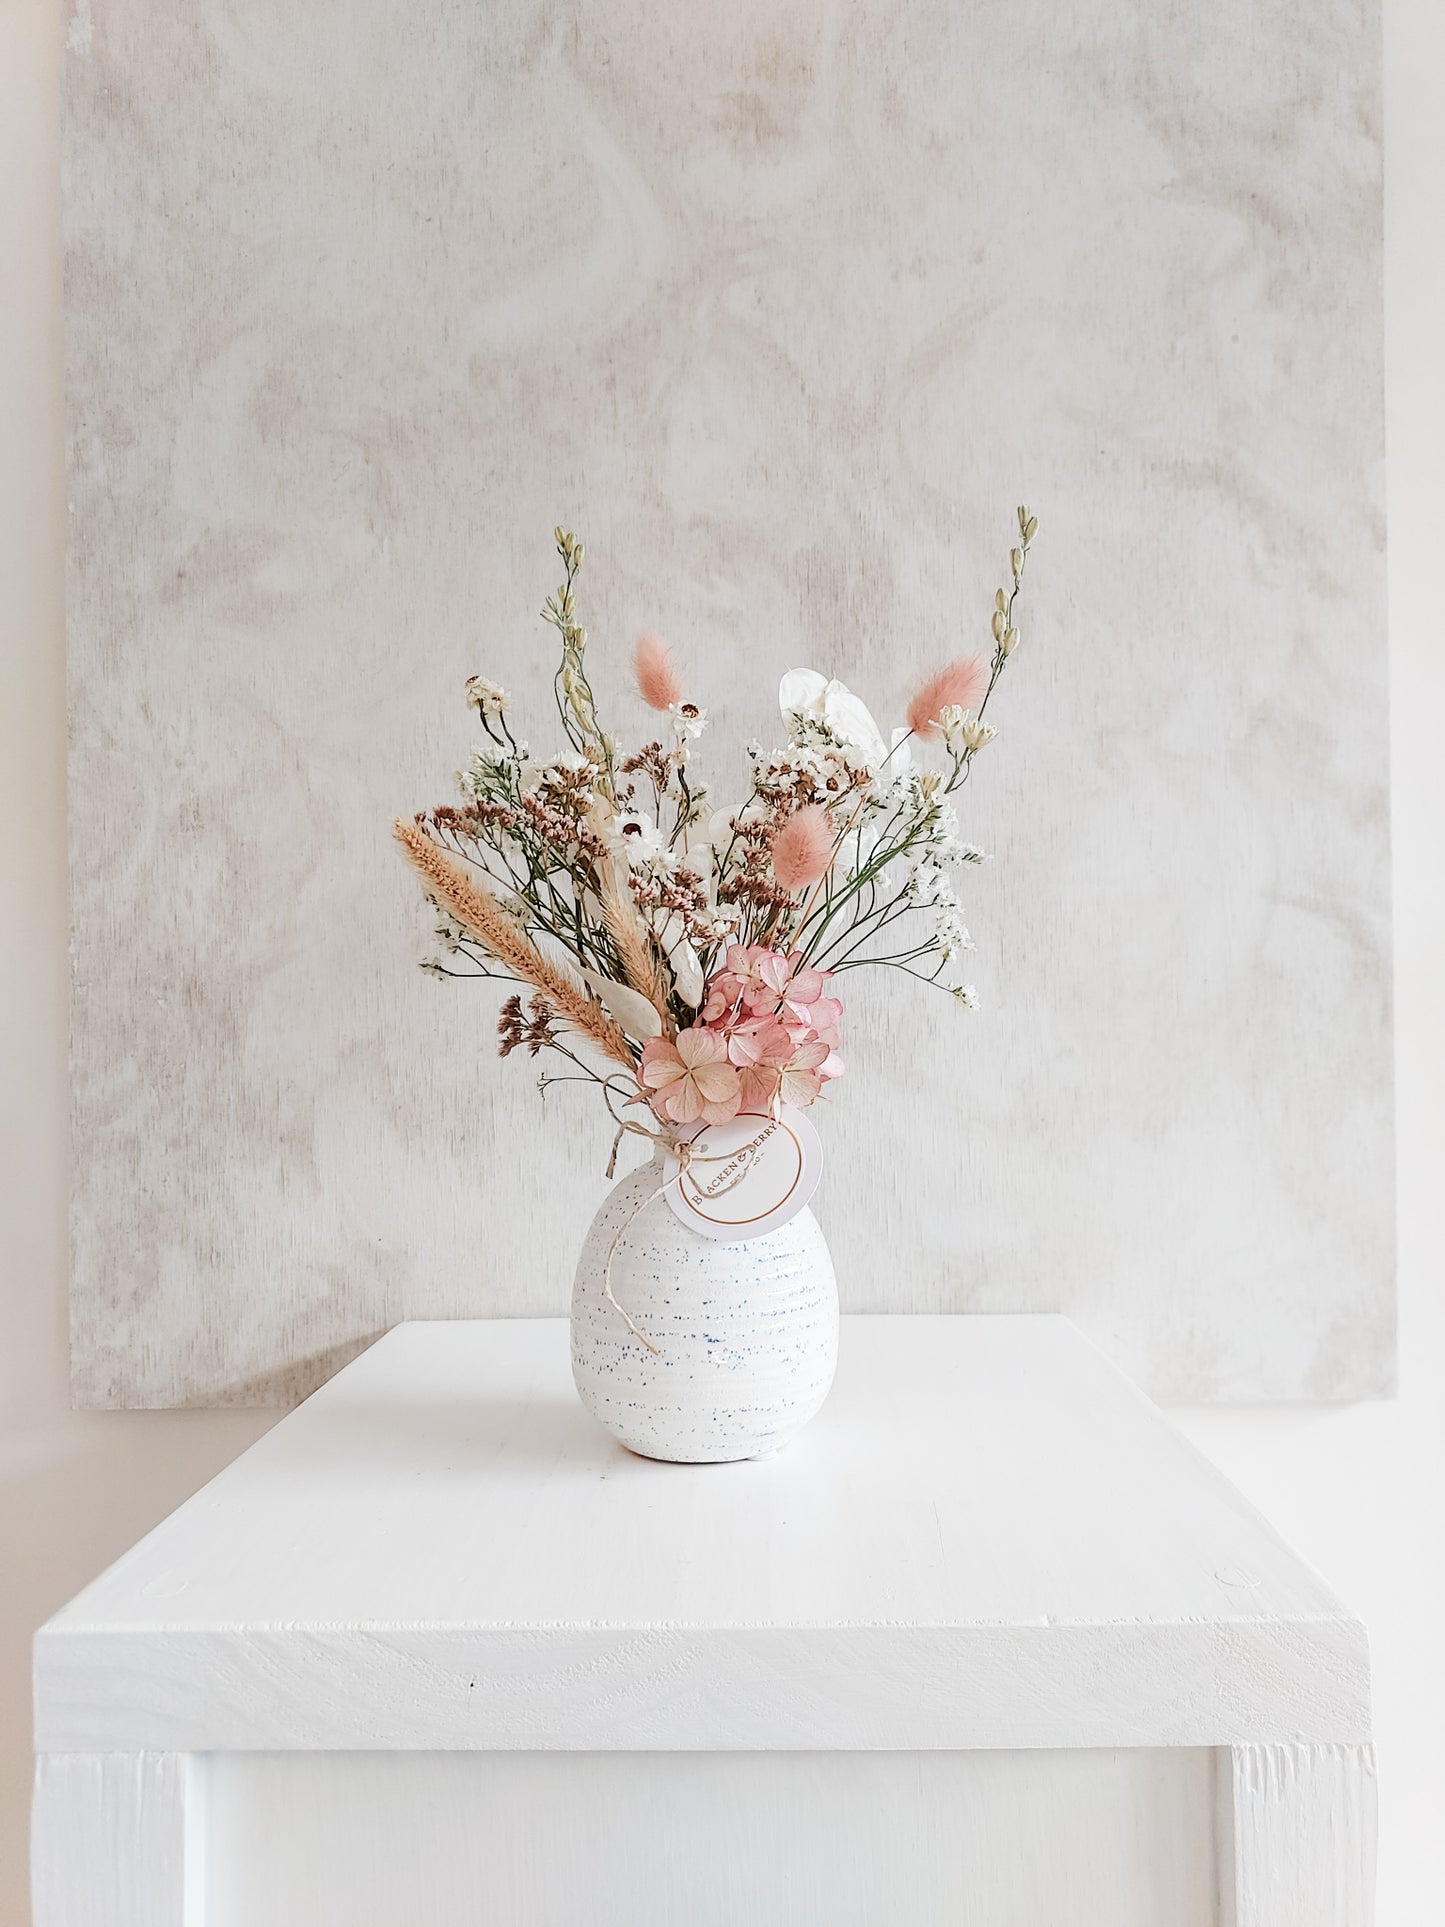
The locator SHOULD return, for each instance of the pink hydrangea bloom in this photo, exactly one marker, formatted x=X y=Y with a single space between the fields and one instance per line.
x=779 y=1025
x=690 y=1078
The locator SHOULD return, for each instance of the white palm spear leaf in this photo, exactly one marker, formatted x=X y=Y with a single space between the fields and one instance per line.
x=816 y=698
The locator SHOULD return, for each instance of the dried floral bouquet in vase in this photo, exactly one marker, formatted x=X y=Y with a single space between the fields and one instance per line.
x=688 y=960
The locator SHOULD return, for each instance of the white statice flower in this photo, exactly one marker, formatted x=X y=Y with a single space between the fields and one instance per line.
x=486 y=698
x=449 y=933
x=966 y=995
x=634 y=835
x=718 y=920
x=952 y=933
x=898 y=779
x=942 y=844
x=926 y=883
x=492 y=773
x=919 y=794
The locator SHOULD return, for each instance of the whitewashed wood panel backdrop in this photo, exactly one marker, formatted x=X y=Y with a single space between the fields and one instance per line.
x=784 y=309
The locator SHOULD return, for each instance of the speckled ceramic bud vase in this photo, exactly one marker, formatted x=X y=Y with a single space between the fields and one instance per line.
x=746 y=1334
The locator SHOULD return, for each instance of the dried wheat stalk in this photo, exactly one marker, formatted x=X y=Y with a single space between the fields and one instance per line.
x=474 y=906
x=640 y=960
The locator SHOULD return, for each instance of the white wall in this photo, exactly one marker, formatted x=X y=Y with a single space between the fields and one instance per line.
x=1361 y=1491
x=75 y=1488
x=287 y=485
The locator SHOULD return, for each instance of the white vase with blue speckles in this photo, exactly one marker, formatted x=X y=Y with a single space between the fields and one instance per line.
x=746 y=1334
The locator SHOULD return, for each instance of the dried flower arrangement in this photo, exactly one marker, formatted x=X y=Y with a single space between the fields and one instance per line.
x=693 y=952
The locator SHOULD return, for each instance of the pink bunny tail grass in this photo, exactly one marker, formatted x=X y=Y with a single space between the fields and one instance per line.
x=803 y=848
x=962 y=685
x=658 y=682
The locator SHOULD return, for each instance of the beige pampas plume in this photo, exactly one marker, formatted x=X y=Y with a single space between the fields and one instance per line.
x=478 y=911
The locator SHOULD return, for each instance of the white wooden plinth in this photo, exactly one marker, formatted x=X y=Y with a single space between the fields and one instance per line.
x=987 y=1643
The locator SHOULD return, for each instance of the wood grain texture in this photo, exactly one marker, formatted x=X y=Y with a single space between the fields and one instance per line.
x=987 y=1539
x=1296 y=1832
x=115 y=1839
x=784 y=309
x=715 y=1840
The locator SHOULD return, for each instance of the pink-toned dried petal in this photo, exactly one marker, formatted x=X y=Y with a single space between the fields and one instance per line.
x=808 y=1056
x=800 y=1088
x=773 y=971
x=658 y=1075
x=661 y=1064
x=806 y=986
x=722 y=993
x=775 y=1044
x=743 y=1045
x=683 y=1102
x=697 y=1046
x=757 y=1085
x=718 y=1111
x=716 y=1081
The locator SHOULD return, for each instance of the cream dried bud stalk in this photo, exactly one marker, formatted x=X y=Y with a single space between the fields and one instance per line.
x=1009 y=643
x=963 y=730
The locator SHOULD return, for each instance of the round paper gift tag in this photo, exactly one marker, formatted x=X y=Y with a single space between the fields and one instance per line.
x=747 y=1176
